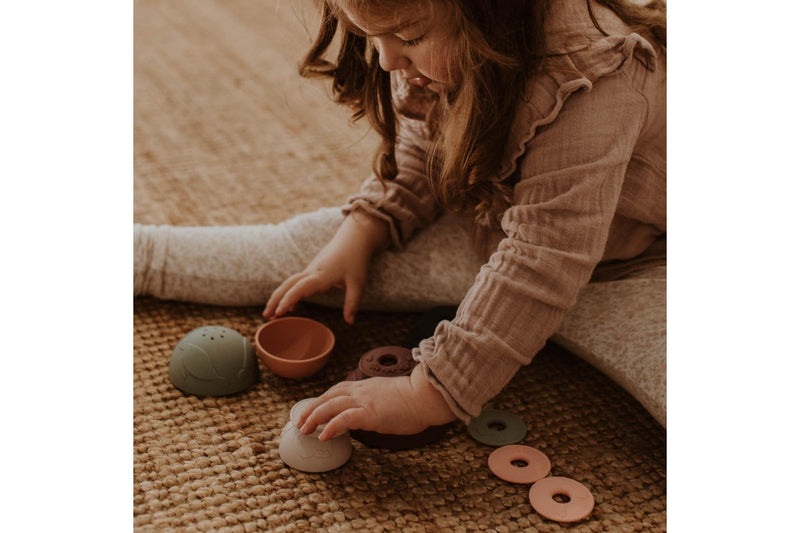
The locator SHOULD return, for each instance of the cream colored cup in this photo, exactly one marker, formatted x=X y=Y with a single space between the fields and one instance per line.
x=306 y=452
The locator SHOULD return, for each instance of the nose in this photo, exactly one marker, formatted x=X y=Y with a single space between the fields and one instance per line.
x=390 y=54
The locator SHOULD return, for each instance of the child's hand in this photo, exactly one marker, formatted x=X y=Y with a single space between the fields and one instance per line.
x=343 y=263
x=398 y=406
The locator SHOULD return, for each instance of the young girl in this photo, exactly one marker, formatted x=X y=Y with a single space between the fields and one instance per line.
x=523 y=154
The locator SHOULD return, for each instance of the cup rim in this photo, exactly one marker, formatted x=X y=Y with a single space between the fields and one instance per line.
x=298 y=362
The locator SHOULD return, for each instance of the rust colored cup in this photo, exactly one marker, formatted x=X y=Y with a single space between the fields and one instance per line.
x=294 y=347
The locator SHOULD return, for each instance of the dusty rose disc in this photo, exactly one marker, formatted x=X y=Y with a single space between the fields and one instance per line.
x=542 y=496
x=533 y=464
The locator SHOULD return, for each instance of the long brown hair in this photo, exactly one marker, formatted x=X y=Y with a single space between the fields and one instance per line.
x=500 y=45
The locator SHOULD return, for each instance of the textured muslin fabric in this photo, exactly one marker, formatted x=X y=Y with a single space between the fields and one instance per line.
x=586 y=157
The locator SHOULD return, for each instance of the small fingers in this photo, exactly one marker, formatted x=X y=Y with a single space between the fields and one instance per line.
x=340 y=408
x=353 y=418
x=316 y=402
x=305 y=287
x=291 y=292
x=352 y=300
x=323 y=410
x=278 y=294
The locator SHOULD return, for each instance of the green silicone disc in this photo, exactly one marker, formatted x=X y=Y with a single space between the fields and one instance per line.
x=497 y=428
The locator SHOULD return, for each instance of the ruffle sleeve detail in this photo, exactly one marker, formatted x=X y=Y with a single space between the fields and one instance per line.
x=562 y=75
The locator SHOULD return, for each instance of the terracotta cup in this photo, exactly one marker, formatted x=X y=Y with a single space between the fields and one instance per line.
x=294 y=347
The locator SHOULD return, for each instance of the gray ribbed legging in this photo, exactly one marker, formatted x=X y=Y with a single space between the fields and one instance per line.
x=242 y=265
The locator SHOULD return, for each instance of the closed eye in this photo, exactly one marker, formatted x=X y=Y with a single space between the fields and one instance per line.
x=413 y=42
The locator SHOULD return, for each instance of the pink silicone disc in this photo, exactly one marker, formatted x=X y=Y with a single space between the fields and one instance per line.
x=533 y=464
x=542 y=496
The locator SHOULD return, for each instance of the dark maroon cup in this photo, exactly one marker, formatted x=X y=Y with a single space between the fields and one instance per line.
x=390 y=361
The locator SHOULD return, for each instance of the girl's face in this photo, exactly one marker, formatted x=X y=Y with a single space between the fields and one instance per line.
x=412 y=40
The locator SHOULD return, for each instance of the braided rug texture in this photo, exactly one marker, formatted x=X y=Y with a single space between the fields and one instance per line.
x=227 y=133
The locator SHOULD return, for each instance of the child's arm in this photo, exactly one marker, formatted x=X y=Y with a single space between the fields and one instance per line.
x=343 y=262
x=569 y=192
x=380 y=215
x=405 y=202
x=570 y=183
x=399 y=406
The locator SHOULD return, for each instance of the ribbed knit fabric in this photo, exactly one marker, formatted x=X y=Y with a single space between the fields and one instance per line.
x=242 y=265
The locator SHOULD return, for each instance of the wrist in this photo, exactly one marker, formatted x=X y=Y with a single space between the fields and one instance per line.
x=375 y=230
x=437 y=411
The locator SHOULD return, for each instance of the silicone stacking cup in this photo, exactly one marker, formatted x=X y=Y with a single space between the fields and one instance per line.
x=390 y=361
x=294 y=347
x=213 y=361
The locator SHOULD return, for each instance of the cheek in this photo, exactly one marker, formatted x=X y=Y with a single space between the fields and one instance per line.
x=443 y=67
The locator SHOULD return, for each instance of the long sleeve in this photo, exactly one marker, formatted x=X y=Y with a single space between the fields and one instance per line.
x=404 y=202
x=571 y=176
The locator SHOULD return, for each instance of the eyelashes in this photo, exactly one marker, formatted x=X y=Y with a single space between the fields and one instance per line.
x=352 y=28
x=413 y=42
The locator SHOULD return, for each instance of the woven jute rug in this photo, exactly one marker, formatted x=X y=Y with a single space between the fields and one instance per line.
x=227 y=133
x=212 y=463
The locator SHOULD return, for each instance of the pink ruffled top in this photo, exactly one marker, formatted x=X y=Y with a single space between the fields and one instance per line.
x=587 y=159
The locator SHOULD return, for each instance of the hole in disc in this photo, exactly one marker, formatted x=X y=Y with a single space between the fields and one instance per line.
x=561 y=498
x=521 y=463
x=387 y=360
x=496 y=425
